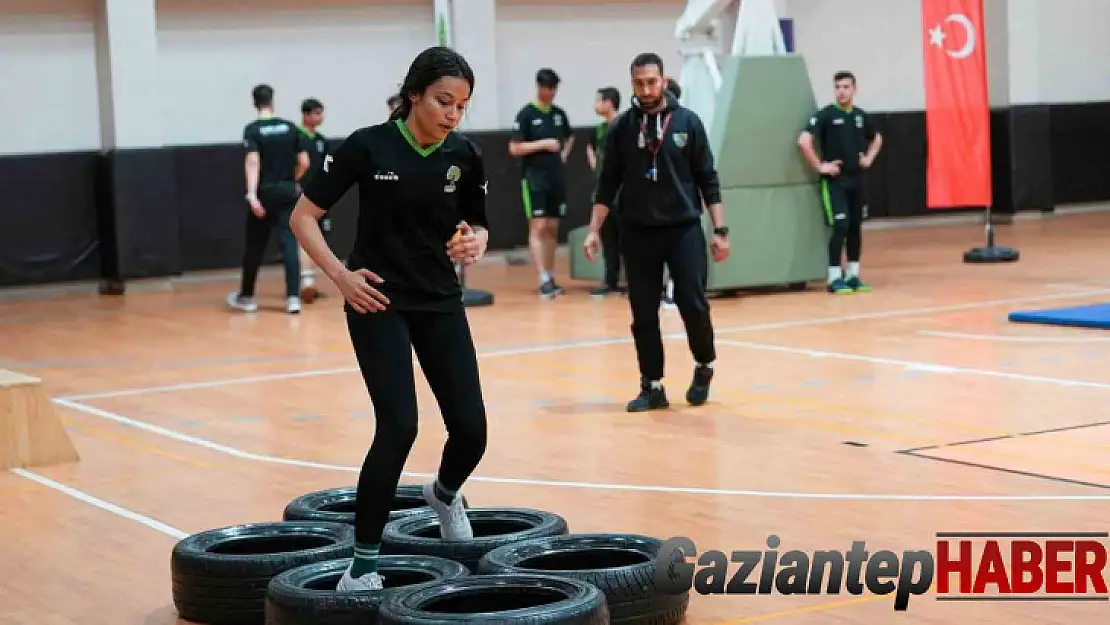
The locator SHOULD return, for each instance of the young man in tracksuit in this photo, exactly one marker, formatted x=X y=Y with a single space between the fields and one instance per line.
x=658 y=156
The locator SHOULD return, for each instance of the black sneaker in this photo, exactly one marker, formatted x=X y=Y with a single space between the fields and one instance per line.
x=549 y=290
x=698 y=393
x=605 y=289
x=649 y=399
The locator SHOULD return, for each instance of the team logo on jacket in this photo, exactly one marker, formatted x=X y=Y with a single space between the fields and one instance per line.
x=679 y=139
x=453 y=175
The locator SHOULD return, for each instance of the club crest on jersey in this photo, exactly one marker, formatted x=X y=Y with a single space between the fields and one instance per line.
x=453 y=175
x=680 y=139
x=859 y=121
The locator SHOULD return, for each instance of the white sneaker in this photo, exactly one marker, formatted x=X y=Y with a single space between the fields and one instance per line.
x=453 y=522
x=245 y=304
x=293 y=304
x=370 y=581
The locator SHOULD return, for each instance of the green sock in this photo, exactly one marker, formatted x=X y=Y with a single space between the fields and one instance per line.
x=366 y=559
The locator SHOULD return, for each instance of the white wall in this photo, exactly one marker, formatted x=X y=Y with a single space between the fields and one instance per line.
x=48 y=76
x=350 y=54
x=1074 y=48
x=353 y=53
x=1039 y=51
x=589 y=43
x=878 y=40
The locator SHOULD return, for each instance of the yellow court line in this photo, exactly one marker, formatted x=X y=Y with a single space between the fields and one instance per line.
x=746 y=400
x=20 y=490
x=101 y=433
x=824 y=607
x=743 y=397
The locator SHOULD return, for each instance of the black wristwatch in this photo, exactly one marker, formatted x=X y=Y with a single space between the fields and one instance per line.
x=721 y=232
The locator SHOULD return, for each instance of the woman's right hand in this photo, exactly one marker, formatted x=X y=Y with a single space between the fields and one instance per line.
x=356 y=289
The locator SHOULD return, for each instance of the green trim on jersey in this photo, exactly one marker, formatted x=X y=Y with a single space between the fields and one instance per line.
x=541 y=107
x=412 y=141
x=307 y=133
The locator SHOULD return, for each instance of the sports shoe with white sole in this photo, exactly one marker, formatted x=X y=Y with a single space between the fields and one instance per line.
x=453 y=522
x=293 y=305
x=245 y=304
x=370 y=581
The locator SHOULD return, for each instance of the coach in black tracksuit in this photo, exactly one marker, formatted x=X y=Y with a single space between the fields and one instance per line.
x=657 y=155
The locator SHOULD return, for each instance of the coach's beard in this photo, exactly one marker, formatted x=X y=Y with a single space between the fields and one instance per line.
x=652 y=106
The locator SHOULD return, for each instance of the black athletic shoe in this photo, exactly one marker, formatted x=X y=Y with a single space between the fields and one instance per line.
x=605 y=289
x=549 y=290
x=649 y=399
x=698 y=393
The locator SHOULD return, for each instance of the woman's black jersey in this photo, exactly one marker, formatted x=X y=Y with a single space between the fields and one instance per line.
x=410 y=201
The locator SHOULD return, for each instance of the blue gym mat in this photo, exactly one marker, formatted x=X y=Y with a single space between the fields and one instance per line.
x=1089 y=316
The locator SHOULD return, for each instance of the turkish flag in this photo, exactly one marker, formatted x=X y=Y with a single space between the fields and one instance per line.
x=957 y=107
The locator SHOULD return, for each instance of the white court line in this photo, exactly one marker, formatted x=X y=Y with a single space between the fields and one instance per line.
x=100 y=503
x=1003 y=338
x=535 y=349
x=247 y=455
x=269 y=377
x=918 y=366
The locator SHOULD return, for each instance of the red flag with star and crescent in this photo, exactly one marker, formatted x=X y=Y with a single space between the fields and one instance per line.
x=957 y=106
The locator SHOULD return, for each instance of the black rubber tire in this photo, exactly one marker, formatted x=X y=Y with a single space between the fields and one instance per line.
x=221 y=576
x=337 y=505
x=622 y=566
x=306 y=595
x=493 y=527
x=502 y=599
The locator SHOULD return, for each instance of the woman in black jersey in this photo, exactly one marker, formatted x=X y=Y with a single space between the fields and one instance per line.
x=422 y=195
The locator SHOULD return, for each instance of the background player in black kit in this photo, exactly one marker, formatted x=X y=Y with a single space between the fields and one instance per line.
x=542 y=138
x=312 y=117
x=849 y=144
x=422 y=197
x=606 y=105
x=277 y=157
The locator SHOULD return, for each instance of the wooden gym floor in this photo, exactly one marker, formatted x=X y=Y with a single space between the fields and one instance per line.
x=189 y=417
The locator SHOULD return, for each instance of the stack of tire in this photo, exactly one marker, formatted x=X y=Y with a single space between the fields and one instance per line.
x=522 y=566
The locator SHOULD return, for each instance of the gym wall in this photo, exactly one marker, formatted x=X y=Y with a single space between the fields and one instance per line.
x=82 y=202
x=1050 y=95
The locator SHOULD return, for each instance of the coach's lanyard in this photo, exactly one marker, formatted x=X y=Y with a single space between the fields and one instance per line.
x=654 y=147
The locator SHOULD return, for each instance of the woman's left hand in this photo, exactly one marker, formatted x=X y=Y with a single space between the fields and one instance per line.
x=467 y=246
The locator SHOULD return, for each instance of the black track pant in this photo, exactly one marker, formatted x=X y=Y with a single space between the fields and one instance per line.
x=684 y=250
x=383 y=344
x=844 y=202
x=610 y=245
x=278 y=211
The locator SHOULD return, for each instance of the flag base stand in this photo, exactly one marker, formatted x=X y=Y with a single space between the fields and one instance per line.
x=991 y=253
x=473 y=298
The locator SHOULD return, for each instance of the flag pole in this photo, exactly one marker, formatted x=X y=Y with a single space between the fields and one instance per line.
x=991 y=253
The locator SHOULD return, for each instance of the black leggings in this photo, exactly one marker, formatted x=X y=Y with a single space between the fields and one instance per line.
x=844 y=211
x=383 y=344
x=258 y=238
